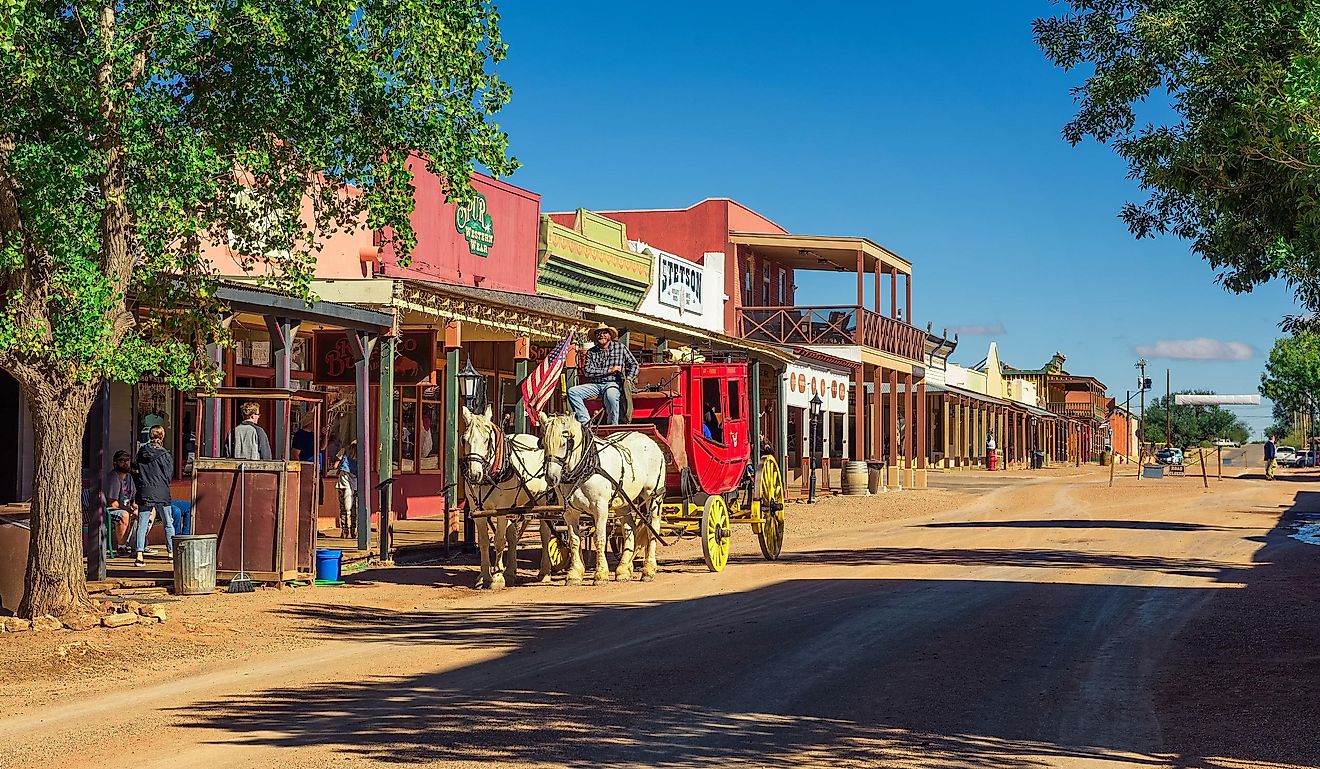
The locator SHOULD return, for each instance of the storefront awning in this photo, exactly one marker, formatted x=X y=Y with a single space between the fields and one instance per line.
x=261 y=301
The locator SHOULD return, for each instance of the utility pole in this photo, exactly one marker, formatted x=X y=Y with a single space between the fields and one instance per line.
x=1141 y=438
x=1168 y=408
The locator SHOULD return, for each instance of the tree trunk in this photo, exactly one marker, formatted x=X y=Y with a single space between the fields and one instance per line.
x=56 y=582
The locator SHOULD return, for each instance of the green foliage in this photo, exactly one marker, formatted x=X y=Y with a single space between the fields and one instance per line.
x=1192 y=424
x=1214 y=106
x=1292 y=373
x=135 y=132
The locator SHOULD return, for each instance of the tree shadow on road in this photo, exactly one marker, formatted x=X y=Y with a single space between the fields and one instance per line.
x=1072 y=523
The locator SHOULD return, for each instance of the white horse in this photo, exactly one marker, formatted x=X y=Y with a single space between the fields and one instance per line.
x=502 y=473
x=622 y=473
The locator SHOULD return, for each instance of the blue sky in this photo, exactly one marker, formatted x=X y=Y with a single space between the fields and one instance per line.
x=931 y=128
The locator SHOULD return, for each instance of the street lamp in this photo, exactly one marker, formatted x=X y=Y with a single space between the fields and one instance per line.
x=814 y=444
x=472 y=386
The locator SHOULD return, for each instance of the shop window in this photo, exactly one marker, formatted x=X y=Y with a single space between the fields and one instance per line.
x=735 y=399
x=783 y=293
x=747 y=284
x=418 y=414
x=428 y=439
x=406 y=439
x=712 y=411
x=765 y=286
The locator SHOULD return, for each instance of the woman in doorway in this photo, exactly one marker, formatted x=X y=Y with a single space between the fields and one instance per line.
x=155 y=466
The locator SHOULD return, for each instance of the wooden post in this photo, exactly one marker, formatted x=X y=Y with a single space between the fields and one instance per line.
x=453 y=341
x=1205 y=477
x=781 y=448
x=861 y=286
x=923 y=435
x=947 y=447
x=361 y=344
x=1111 y=470
x=893 y=293
x=1219 y=462
x=282 y=332
x=878 y=416
x=385 y=427
x=892 y=443
x=907 y=283
x=910 y=407
x=859 y=415
x=522 y=352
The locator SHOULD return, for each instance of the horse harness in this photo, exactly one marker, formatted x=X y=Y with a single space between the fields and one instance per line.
x=498 y=468
x=589 y=465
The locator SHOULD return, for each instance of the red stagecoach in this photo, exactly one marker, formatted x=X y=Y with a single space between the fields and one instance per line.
x=700 y=413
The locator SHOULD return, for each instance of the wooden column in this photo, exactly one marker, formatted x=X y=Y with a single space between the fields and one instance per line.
x=910 y=407
x=878 y=415
x=893 y=293
x=892 y=437
x=282 y=332
x=453 y=342
x=879 y=273
x=907 y=282
x=212 y=410
x=923 y=434
x=360 y=346
x=522 y=352
x=947 y=438
x=857 y=451
x=861 y=285
x=385 y=428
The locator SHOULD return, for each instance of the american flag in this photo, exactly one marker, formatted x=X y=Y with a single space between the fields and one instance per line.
x=540 y=384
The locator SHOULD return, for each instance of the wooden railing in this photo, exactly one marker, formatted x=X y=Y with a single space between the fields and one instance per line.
x=1086 y=410
x=839 y=325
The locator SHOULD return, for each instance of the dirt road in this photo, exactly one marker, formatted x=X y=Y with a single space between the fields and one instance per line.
x=1051 y=622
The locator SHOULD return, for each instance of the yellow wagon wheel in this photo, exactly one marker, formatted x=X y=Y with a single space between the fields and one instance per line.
x=771 y=494
x=715 y=533
x=557 y=550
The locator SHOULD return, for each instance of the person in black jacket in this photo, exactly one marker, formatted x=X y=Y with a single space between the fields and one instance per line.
x=155 y=466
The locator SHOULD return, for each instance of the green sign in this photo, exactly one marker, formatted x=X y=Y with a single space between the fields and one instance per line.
x=473 y=222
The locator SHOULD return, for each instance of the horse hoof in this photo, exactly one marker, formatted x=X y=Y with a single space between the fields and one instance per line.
x=623 y=576
x=544 y=579
x=573 y=581
x=601 y=577
x=496 y=584
x=648 y=577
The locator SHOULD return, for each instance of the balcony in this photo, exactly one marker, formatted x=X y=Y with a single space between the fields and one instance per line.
x=1079 y=410
x=845 y=325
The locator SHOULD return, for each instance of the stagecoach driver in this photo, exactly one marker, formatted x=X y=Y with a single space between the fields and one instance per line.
x=604 y=366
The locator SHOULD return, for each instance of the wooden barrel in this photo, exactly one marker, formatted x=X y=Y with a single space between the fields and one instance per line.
x=855 y=478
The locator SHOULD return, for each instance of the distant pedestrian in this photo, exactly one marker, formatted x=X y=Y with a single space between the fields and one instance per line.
x=1271 y=452
x=247 y=440
x=155 y=467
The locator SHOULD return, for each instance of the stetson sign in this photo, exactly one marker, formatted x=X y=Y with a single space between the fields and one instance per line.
x=333 y=363
x=474 y=223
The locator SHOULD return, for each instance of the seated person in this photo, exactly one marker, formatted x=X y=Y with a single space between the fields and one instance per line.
x=604 y=366
x=710 y=426
x=120 y=491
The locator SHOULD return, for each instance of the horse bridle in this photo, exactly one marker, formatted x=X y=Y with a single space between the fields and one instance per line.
x=497 y=466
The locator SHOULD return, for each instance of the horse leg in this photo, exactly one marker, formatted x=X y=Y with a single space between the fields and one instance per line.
x=602 y=516
x=483 y=547
x=649 y=566
x=573 y=519
x=624 y=571
x=501 y=547
x=546 y=567
x=516 y=527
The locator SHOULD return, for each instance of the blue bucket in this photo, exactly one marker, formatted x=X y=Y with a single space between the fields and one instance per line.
x=327 y=564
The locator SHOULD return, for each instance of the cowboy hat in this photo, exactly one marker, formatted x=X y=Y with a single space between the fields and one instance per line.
x=612 y=331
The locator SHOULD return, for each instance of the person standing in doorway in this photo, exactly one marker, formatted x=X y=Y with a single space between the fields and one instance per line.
x=990 y=447
x=247 y=440
x=155 y=467
x=1271 y=453
x=604 y=366
x=347 y=485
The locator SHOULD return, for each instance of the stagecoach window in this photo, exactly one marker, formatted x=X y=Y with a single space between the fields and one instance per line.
x=735 y=402
x=712 y=410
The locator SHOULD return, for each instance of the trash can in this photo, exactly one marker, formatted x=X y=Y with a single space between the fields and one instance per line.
x=1152 y=471
x=1037 y=460
x=194 y=564
x=1105 y=458
x=875 y=479
x=328 y=564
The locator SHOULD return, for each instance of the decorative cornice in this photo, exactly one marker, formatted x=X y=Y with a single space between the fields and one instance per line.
x=433 y=300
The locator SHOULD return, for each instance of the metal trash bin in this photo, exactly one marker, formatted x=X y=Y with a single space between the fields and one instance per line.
x=194 y=564
x=875 y=480
x=1037 y=460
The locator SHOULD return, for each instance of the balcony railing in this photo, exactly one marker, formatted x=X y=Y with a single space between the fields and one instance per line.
x=1084 y=410
x=831 y=326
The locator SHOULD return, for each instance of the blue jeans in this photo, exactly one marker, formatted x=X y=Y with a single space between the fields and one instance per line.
x=609 y=392
x=181 y=514
x=165 y=515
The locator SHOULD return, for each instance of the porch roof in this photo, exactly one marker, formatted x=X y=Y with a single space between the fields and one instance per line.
x=266 y=302
x=822 y=252
x=682 y=332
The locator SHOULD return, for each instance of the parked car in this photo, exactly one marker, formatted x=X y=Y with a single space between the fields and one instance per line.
x=1285 y=455
x=1169 y=456
x=1303 y=459
x=1226 y=443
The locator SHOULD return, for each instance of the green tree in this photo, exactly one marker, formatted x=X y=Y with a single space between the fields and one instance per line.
x=1213 y=104
x=1292 y=373
x=1192 y=424
x=134 y=131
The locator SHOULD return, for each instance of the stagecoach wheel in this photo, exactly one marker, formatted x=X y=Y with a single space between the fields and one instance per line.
x=771 y=494
x=715 y=533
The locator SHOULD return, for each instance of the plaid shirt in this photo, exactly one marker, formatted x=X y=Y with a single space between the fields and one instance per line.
x=599 y=360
